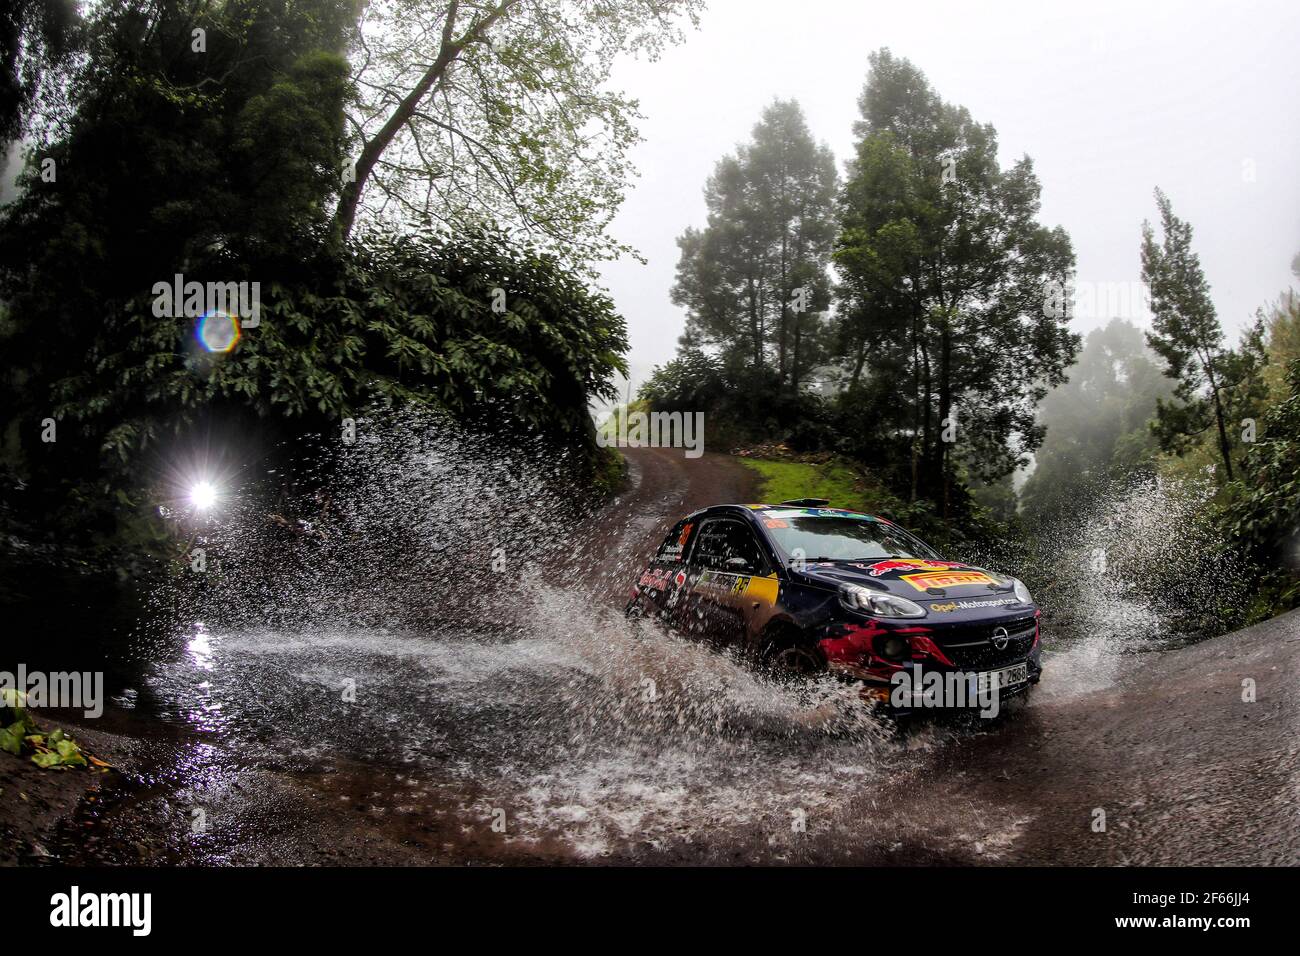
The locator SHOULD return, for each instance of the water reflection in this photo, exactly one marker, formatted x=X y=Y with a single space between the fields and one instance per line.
x=200 y=647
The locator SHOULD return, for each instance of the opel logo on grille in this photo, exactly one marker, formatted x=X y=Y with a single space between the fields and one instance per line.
x=1001 y=638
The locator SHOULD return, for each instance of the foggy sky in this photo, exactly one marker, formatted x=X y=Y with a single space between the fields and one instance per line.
x=1109 y=99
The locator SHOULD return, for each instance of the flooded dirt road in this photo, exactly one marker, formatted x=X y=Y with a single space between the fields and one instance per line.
x=563 y=733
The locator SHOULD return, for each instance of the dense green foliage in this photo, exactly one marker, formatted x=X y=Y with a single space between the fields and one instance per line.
x=947 y=279
x=1186 y=334
x=209 y=144
x=37 y=37
x=406 y=319
x=474 y=111
x=161 y=170
x=1264 y=511
x=753 y=280
x=940 y=343
x=743 y=405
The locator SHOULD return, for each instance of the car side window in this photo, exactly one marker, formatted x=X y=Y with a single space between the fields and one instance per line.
x=707 y=552
x=727 y=545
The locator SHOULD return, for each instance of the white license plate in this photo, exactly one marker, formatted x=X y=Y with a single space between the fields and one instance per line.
x=1007 y=677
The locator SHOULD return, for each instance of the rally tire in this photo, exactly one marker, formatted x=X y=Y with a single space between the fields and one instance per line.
x=786 y=654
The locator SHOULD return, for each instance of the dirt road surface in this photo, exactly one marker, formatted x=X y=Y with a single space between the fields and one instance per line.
x=1187 y=756
x=1183 y=767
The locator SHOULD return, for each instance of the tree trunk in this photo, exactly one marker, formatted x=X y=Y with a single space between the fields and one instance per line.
x=1218 y=416
x=794 y=353
x=927 y=385
x=858 y=361
x=345 y=214
x=945 y=402
x=916 y=406
x=784 y=287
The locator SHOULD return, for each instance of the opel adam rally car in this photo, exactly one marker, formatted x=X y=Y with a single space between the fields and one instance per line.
x=802 y=588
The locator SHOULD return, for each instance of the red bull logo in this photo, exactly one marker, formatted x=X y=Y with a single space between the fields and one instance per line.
x=656 y=580
x=910 y=564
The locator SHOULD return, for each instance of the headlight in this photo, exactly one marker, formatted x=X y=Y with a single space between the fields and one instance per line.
x=1022 y=592
x=877 y=604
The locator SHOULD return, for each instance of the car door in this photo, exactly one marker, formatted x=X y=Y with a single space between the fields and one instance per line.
x=663 y=583
x=724 y=559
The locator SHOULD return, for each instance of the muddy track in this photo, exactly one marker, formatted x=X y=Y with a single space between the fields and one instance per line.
x=1184 y=770
x=662 y=486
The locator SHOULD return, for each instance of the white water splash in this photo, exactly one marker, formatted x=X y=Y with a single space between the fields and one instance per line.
x=1138 y=560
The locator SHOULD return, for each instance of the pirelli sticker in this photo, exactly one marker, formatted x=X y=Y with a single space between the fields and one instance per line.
x=946 y=579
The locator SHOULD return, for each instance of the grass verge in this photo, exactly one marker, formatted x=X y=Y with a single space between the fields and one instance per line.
x=842 y=485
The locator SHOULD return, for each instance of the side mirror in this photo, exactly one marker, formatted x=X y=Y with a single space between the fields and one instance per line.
x=738 y=564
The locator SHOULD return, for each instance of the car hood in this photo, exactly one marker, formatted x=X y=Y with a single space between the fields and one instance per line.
x=926 y=582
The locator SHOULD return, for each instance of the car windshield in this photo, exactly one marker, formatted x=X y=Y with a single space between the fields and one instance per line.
x=840 y=537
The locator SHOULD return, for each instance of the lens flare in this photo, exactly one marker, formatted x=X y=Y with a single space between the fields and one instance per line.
x=203 y=495
x=218 y=331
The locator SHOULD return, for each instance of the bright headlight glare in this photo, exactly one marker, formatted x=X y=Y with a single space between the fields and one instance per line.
x=203 y=495
x=878 y=604
x=1022 y=592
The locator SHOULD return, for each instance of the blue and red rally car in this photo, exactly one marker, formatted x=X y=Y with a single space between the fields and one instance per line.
x=802 y=588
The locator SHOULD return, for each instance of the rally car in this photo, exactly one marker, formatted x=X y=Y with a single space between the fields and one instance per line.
x=802 y=588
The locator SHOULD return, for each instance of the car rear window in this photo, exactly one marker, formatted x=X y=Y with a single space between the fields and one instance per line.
x=840 y=536
x=674 y=546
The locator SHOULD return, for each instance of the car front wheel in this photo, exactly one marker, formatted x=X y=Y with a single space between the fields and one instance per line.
x=786 y=656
